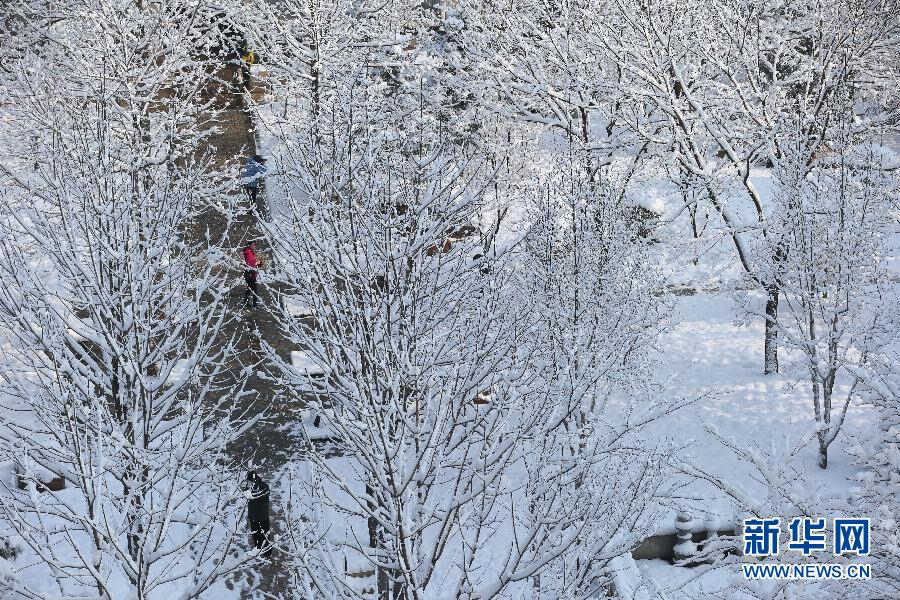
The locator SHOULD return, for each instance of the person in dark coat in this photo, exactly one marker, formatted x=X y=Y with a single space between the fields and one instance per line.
x=254 y=169
x=258 y=511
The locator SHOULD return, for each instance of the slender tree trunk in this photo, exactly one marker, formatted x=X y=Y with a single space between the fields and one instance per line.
x=770 y=350
x=316 y=100
x=383 y=575
x=377 y=544
x=823 y=453
x=822 y=416
x=826 y=436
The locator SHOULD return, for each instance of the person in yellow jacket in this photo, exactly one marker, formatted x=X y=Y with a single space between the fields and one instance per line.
x=246 y=60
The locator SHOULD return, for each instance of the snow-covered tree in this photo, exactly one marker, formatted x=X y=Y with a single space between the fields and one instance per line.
x=115 y=319
x=545 y=65
x=839 y=320
x=596 y=318
x=484 y=425
x=410 y=337
x=471 y=459
x=833 y=281
x=306 y=45
x=732 y=87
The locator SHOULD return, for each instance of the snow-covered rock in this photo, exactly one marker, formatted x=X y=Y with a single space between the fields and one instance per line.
x=302 y=363
x=295 y=309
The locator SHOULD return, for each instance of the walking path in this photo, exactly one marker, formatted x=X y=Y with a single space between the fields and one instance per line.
x=267 y=446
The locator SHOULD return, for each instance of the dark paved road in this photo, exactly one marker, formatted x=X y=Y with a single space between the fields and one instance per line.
x=268 y=445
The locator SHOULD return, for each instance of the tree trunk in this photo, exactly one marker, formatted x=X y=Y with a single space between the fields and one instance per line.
x=770 y=351
x=375 y=544
x=823 y=454
x=382 y=577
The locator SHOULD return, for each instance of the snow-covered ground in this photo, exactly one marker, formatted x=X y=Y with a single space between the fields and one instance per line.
x=713 y=353
x=711 y=357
